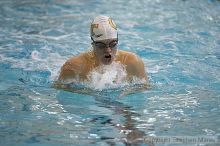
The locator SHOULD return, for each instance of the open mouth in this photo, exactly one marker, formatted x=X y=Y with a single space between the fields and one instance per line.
x=108 y=56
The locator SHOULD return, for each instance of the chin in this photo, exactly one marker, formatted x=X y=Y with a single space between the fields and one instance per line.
x=106 y=62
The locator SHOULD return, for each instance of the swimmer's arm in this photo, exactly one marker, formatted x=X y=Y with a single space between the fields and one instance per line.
x=68 y=71
x=76 y=67
x=73 y=69
x=135 y=67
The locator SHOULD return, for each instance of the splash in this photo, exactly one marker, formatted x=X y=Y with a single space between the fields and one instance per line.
x=107 y=76
x=105 y=80
x=42 y=68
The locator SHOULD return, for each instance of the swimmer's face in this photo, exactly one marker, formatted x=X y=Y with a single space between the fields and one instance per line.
x=105 y=50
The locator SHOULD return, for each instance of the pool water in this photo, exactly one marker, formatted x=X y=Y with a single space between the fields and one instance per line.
x=178 y=40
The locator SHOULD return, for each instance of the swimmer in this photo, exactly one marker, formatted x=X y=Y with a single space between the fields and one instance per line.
x=104 y=36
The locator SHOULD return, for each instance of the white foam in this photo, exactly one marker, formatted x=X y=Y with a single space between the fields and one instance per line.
x=111 y=76
x=154 y=69
x=107 y=76
x=35 y=55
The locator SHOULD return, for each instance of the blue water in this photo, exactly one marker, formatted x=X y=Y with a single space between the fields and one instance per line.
x=178 y=40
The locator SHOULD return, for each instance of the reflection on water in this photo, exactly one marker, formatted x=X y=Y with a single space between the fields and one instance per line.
x=132 y=135
x=109 y=120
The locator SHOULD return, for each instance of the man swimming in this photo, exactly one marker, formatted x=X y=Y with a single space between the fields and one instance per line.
x=104 y=36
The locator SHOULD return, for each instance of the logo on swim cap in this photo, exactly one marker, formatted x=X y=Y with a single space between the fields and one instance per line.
x=111 y=22
x=92 y=27
x=102 y=28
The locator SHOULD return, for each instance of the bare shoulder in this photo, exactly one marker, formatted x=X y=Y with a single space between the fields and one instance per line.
x=134 y=64
x=129 y=57
x=73 y=66
x=71 y=63
x=78 y=58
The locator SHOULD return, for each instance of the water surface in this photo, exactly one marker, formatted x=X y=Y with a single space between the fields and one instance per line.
x=178 y=41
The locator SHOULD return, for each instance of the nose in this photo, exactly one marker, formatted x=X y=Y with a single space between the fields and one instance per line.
x=108 y=50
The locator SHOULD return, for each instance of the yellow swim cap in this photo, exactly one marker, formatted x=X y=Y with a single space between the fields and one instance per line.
x=103 y=27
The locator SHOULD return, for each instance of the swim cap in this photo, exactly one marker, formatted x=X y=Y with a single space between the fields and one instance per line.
x=103 y=27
